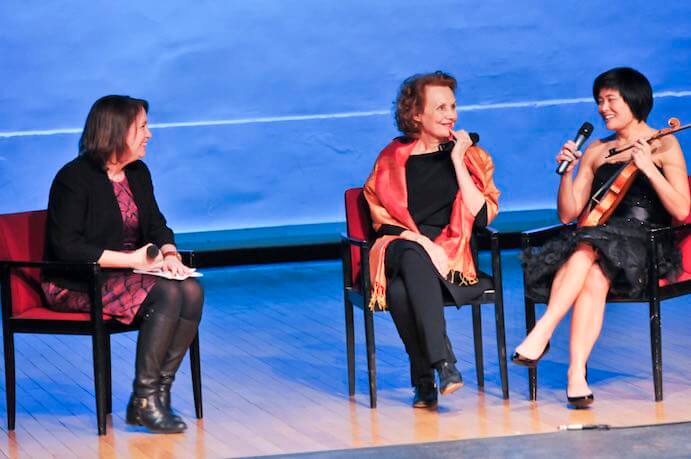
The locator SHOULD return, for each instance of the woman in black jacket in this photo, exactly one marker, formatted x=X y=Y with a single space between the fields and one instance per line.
x=102 y=209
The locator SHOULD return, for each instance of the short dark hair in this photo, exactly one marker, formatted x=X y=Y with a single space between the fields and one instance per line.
x=411 y=98
x=633 y=86
x=105 y=130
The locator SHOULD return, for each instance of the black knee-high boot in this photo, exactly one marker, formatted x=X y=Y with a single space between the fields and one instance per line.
x=144 y=408
x=184 y=335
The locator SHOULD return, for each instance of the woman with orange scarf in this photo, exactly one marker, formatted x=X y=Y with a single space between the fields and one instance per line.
x=427 y=191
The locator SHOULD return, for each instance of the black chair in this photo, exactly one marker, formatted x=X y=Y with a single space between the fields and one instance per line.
x=356 y=292
x=657 y=290
x=22 y=237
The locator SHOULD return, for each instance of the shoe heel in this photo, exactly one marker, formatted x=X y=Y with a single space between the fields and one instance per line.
x=133 y=420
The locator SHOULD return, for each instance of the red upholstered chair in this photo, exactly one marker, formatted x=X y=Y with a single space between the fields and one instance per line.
x=22 y=239
x=657 y=291
x=356 y=292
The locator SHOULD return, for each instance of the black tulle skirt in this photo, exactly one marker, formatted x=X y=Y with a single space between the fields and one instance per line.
x=622 y=249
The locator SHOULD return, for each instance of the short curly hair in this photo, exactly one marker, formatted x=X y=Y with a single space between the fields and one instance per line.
x=411 y=98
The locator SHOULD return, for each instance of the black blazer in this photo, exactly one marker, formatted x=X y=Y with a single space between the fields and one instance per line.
x=84 y=218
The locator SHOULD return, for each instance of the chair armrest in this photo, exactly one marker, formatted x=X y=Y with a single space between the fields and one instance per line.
x=91 y=270
x=483 y=236
x=538 y=236
x=187 y=258
x=86 y=267
x=347 y=243
x=353 y=241
x=668 y=230
x=490 y=231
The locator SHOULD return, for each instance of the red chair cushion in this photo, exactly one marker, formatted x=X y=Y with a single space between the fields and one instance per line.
x=49 y=314
x=22 y=238
x=685 y=248
x=685 y=244
x=358 y=225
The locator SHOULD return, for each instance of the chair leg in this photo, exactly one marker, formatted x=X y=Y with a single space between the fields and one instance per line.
x=98 y=344
x=501 y=346
x=656 y=347
x=108 y=376
x=371 y=359
x=529 y=324
x=350 y=346
x=477 y=341
x=10 y=379
x=195 y=367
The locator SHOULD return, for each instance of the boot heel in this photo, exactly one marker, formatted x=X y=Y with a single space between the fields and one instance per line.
x=132 y=418
x=133 y=422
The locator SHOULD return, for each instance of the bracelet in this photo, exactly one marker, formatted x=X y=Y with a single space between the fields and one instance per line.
x=174 y=253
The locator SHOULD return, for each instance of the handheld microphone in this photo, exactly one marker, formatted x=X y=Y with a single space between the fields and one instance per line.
x=152 y=251
x=583 y=134
x=474 y=137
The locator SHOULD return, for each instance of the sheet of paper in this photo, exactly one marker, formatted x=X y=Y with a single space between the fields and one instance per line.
x=167 y=275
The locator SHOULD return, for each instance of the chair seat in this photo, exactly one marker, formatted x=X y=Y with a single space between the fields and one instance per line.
x=41 y=313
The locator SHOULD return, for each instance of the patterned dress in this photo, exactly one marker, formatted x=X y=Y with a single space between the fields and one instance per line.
x=123 y=292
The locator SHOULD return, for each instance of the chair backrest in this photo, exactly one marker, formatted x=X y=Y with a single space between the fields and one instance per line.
x=22 y=238
x=358 y=225
x=685 y=245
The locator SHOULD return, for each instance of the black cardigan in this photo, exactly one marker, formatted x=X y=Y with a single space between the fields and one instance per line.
x=84 y=218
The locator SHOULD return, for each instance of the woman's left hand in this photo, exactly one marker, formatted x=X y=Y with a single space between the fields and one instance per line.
x=174 y=266
x=641 y=154
x=463 y=142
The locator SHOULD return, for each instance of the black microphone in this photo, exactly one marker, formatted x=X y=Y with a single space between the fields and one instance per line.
x=152 y=251
x=448 y=146
x=583 y=134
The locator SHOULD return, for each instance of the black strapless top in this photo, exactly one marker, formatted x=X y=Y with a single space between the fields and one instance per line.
x=641 y=202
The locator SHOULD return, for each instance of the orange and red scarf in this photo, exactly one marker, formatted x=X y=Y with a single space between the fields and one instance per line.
x=387 y=195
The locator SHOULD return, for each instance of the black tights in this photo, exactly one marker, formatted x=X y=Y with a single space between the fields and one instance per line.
x=415 y=297
x=175 y=299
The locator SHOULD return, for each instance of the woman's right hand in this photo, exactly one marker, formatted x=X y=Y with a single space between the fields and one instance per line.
x=569 y=153
x=141 y=261
x=437 y=254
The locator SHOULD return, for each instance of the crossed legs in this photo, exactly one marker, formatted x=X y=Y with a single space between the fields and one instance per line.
x=580 y=283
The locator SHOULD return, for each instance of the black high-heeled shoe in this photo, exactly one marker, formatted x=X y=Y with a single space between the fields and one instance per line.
x=518 y=359
x=580 y=402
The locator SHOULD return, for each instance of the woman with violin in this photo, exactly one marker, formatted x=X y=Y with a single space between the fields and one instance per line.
x=645 y=171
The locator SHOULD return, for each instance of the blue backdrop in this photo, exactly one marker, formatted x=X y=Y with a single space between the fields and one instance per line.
x=268 y=109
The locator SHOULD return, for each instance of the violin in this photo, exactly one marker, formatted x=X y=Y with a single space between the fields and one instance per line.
x=606 y=199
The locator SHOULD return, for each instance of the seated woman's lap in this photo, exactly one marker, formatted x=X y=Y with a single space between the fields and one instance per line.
x=177 y=299
x=409 y=259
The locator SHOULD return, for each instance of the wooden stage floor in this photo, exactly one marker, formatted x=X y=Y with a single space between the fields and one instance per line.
x=274 y=377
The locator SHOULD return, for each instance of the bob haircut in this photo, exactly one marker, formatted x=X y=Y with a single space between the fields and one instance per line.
x=106 y=127
x=633 y=86
x=411 y=98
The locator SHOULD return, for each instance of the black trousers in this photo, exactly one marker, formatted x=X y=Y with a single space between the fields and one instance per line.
x=415 y=298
